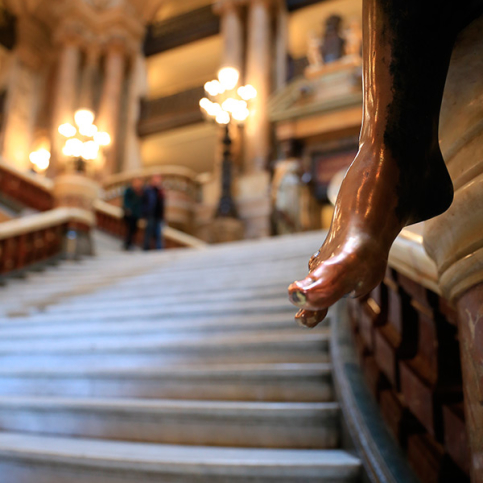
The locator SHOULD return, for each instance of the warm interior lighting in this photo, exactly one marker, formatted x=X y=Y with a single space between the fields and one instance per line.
x=230 y=104
x=247 y=92
x=90 y=149
x=88 y=130
x=205 y=103
x=102 y=138
x=67 y=130
x=73 y=147
x=223 y=117
x=241 y=114
x=214 y=88
x=228 y=77
x=84 y=117
x=40 y=159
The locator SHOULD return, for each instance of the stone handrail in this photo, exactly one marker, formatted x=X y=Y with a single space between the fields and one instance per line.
x=29 y=189
x=110 y=219
x=36 y=238
x=408 y=256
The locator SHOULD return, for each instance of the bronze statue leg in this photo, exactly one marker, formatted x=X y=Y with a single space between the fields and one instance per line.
x=398 y=176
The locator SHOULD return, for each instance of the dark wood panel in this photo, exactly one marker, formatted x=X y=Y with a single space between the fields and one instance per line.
x=183 y=29
x=170 y=112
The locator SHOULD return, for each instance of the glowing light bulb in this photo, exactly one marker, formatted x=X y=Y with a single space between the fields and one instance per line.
x=73 y=147
x=84 y=117
x=230 y=104
x=223 y=117
x=88 y=130
x=67 y=130
x=228 y=77
x=240 y=114
x=247 y=92
x=214 y=109
x=90 y=149
x=102 y=138
x=205 y=103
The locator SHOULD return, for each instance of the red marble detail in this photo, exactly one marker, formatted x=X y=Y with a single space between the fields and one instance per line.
x=455 y=439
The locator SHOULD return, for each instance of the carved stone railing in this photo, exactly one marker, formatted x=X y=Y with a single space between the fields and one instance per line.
x=109 y=218
x=181 y=187
x=34 y=239
x=28 y=189
x=169 y=112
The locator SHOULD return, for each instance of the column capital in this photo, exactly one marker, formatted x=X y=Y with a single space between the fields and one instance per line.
x=221 y=7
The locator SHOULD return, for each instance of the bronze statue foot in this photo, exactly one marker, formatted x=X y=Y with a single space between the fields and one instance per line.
x=368 y=216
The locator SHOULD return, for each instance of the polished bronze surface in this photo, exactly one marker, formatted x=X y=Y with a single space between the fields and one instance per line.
x=398 y=176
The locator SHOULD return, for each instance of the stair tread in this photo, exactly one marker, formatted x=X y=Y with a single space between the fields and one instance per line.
x=178 y=406
x=258 y=371
x=147 y=456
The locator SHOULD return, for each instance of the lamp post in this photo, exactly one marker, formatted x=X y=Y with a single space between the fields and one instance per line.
x=84 y=142
x=225 y=104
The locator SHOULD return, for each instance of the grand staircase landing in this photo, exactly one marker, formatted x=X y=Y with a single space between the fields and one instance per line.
x=178 y=366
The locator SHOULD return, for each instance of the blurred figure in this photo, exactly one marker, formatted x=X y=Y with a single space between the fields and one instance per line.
x=132 y=205
x=153 y=211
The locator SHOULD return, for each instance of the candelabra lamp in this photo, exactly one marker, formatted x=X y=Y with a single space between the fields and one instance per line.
x=84 y=142
x=226 y=104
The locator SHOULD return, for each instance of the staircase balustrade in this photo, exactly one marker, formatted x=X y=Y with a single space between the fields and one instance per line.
x=28 y=189
x=31 y=240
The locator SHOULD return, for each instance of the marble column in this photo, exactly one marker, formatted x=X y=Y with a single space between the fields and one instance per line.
x=90 y=74
x=110 y=104
x=24 y=85
x=65 y=101
x=232 y=34
x=455 y=239
x=281 y=45
x=259 y=62
x=137 y=87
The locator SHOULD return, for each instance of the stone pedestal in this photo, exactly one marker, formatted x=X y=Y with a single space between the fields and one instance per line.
x=223 y=230
x=454 y=240
x=76 y=191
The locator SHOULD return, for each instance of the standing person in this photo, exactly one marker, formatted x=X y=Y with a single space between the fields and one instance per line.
x=153 y=211
x=132 y=203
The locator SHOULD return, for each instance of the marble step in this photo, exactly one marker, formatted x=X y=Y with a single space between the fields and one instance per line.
x=211 y=423
x=199 y=325
x=267 y=347
x=163 y=298
x=199 y=309
x=248 y=382
x=162 y=341
x=45 y=459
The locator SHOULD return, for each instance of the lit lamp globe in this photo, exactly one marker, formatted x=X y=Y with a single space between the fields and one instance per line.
x=40 y=159
x=102 y=138
x=228 y=77
x=84 y=117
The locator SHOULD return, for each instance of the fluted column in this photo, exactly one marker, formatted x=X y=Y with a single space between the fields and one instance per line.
x=89 y=76
x=24 y=92
x=259 y=62
x=455 y=239
x=110 y=105
x=281 y=45
x=65 y=100
x=232 y=33
x=137 y=86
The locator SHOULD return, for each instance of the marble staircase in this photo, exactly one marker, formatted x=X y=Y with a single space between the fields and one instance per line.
x=177 y=366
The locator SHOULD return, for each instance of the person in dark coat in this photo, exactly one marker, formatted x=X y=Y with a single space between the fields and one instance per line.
x=153 y=212
x=132 y=205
